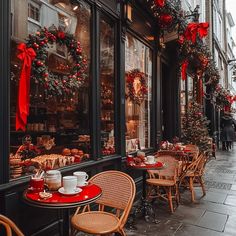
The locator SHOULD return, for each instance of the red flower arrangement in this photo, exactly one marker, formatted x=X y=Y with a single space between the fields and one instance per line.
x=136 y=96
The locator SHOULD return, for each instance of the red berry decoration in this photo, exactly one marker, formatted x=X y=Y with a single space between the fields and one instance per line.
x=165 y=20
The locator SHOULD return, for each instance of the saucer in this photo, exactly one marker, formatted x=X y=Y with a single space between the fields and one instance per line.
x=83 y=184
x=150 y=163
x=62 y=191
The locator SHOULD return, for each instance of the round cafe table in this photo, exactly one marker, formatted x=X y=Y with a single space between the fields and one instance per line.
x=89 y=194
x=145 y=207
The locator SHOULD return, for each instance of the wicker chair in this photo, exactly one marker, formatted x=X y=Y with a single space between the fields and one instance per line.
x=193 y=174
x=166 y=179
x=194 y=151
x=118 y=192
x=9 y=226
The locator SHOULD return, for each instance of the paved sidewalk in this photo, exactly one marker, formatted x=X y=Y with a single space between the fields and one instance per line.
x=212 y=215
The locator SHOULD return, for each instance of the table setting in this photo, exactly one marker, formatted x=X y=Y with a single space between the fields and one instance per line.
x=52 y=191
x=143 y=163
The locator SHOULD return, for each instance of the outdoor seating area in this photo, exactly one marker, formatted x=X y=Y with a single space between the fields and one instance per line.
x=104 y=202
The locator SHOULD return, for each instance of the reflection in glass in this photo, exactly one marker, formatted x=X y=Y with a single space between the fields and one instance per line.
x=58 y=129
x=138 y=56
x=107 y=78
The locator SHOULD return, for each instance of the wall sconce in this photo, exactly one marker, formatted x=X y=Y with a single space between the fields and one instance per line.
x=128 y=11
x=234 y=75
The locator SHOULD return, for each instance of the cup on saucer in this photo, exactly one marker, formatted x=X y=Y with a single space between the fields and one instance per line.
x=69 y=184
x=82 y=178
x=151 y=159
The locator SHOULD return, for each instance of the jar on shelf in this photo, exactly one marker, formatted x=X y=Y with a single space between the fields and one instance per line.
x=53 y=179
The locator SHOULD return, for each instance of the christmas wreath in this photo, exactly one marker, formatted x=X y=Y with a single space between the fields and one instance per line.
x=39 y=72
x=136 y=95
x=33 y=55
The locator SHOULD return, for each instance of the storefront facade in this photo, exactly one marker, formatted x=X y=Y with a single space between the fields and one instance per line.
x=89 y=126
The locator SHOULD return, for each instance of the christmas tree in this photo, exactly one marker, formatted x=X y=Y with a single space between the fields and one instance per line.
x=195 y=127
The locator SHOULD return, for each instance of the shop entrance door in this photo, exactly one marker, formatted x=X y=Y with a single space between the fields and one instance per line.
x=169 y=103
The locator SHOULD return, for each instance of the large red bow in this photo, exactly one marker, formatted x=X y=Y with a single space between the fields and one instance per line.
x=160 y=3
x=196 y=28
x=184 y=70
x=26 y=55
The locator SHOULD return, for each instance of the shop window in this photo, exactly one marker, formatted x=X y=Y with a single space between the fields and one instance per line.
x=107 y=78
x=182 y=100
x=138 y=59
x=34 y=11
x=57 y=132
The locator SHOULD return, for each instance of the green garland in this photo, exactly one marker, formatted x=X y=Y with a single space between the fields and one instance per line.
x=56 y=85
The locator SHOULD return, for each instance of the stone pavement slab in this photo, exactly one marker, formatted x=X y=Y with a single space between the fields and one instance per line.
x=212 y=220
x=231 y=200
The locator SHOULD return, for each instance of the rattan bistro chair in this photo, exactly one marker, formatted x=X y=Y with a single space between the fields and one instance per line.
x=165 y=179
x=9 y=226
x=118 y=192
x=194 y=174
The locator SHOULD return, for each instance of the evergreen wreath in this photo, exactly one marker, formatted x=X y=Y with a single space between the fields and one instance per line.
x=136 y=97
x=39 y=72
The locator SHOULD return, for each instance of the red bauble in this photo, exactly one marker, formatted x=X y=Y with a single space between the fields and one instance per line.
x=39 y=63
x=159 y=3
x=165 y=19
x=61 y=35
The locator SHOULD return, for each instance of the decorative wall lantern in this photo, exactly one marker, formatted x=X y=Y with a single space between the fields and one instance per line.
x=234 y=74
x=128 y=11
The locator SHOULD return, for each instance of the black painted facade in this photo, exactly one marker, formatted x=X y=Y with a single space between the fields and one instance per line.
x=164 y=112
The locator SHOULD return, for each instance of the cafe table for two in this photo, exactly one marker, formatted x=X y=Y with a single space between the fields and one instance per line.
x=63 y=202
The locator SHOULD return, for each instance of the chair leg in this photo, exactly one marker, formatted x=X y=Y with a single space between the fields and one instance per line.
x=202 y=185
x=191 y=189
x=73 y=232
x=177 y=194
x=122 y=232
x=169 y=195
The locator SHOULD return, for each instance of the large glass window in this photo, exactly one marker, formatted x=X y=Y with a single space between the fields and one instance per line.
x=57 y=132
x=107 y=78
x=138 y=62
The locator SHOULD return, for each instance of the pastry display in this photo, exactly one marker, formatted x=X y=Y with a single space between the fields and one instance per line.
x=16 y=169
x=66 y=152
x=52 y=161
x=74 y=151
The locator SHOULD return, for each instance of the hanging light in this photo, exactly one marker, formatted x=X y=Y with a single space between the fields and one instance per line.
x=234 y=75
x=128 y=11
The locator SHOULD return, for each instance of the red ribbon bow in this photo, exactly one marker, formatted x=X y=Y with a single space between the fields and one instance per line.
x=196 y=28
x=26 y=55
x=160 y=3
x=184 y=70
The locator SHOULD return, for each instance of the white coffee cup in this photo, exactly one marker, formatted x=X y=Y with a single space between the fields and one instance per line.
x=150 y=159
x=69 y=183
x=82 y=177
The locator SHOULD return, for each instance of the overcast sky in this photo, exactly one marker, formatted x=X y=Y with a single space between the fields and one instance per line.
x=231 y=7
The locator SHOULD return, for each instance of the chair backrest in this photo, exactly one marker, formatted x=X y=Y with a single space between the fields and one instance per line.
x=118 y=191
x=193 y=167
x=194 y=151
x=171 y=170
x=201 y=164
x=165 y=152
x=9 y=226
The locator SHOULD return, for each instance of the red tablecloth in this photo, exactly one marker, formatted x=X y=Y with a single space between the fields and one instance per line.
x=157 y=165
x=90 y=191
